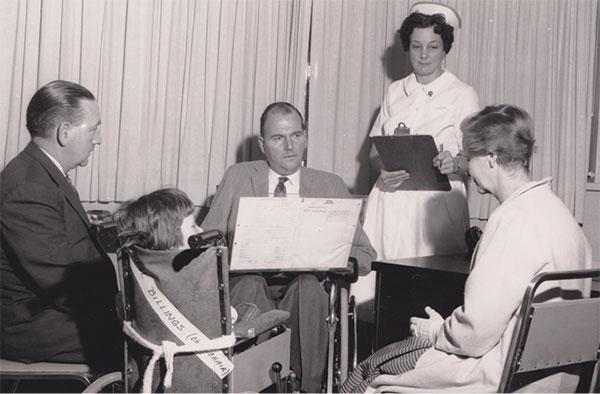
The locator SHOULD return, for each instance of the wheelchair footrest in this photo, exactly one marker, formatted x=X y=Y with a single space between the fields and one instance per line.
x=260 y=324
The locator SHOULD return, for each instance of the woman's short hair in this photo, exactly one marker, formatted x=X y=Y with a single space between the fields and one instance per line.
x=504 y=130
x=57 y=101
x=155 y=219
x=418 y=20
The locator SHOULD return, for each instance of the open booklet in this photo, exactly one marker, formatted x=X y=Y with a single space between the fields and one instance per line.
x=294 y=234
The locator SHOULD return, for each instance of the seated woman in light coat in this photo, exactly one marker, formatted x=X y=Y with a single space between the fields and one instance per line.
x=530 y=232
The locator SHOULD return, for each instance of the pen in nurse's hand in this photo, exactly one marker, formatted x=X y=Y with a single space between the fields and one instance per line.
x=437 y=162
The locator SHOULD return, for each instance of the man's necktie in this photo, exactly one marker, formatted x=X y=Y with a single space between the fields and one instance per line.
x=71 y=183
x=280 y=188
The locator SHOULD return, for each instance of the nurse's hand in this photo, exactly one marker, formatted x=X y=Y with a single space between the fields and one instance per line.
x=446 y=163
x=389 y=181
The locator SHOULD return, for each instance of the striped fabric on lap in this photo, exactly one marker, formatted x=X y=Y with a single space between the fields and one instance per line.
x=394 y=359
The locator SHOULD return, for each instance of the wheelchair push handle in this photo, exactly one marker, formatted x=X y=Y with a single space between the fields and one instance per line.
x=199 y=240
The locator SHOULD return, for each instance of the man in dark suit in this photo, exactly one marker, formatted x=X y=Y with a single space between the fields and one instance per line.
x=57 y=284
x=283 y=140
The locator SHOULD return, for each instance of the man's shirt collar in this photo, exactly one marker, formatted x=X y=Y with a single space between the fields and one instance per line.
x=53 y=160
x=292 y=186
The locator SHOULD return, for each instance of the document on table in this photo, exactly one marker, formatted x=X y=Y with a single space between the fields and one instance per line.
x=294 y=234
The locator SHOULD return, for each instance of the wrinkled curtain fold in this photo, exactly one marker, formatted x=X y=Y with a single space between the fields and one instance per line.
x=182 y=83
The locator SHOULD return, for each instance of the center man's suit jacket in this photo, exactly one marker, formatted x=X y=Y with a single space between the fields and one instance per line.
x=251 y=179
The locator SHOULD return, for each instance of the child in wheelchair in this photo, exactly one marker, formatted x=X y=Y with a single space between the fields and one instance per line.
x=154 y=231
x=164 y=220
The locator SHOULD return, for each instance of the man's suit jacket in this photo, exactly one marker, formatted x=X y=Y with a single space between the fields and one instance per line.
x=250 y=179
x=53 y=270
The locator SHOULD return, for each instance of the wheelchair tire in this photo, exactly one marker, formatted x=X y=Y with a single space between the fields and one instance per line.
x=109 y=383
x=353 y=335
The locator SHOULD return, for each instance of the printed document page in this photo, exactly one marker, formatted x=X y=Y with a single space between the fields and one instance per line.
x=290 y=234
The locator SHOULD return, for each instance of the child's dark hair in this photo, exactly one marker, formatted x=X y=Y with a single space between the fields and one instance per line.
x=154 y=220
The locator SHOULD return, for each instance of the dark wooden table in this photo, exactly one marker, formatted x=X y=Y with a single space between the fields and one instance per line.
x=405 y=287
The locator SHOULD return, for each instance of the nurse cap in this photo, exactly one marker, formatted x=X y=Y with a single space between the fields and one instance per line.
x=429 y=8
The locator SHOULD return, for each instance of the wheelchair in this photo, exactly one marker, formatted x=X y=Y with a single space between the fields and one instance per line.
x=563 y=335
x=341 y=323
x=157 y=358
x=189 y=333
x=13 y=373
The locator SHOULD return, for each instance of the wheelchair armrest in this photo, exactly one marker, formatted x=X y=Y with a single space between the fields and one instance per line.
x=259 y=324
x=348 y=277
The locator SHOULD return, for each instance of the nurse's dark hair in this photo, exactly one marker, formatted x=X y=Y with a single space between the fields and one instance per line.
x=279 y=107
x=504 y=130
x=54 y=103
x=418 y=20
x=155 y=219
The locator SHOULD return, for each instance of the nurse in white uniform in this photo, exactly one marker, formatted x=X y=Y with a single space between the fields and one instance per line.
x=433 y=101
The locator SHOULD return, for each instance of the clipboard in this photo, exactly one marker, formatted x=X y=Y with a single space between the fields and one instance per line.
x=414 y=154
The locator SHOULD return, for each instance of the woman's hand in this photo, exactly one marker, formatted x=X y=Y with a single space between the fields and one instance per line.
x=446 y=163
x=390 y=181
x=427 y=328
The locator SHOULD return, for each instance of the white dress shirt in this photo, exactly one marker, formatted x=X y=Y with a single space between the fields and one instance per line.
x=292 y=185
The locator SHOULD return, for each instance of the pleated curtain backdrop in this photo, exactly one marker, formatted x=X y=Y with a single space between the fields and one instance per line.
x=182 y=83
x=538 y=54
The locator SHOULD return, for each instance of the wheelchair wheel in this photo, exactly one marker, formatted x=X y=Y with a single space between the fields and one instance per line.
x=345 y=339
x=342 y=327
x=109 y=383
x=353 y=335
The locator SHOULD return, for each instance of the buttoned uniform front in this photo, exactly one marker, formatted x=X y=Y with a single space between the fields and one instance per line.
x=529 y=233
x=57 y=283
x=404 y=223
x=304 y=297
x=422 y=223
